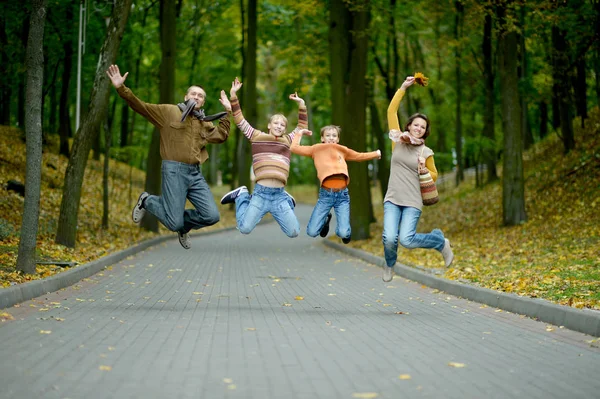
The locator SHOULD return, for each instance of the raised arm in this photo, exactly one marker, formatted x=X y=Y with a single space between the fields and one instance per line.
x=152 y=112
x=302 y=113
x=296 y=148
x=238 y=116
x=392 y=112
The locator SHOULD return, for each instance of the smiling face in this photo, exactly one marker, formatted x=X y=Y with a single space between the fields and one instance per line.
x=330 y=135
x=277 y=125
x=418 y=127
x=198 y=94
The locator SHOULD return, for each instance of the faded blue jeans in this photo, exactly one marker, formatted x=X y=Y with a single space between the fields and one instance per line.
x=340 y=202
x=181 y=181
x=400 y=223
x=250 y=209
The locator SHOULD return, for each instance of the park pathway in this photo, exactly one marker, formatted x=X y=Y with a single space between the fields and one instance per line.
x=264 y=316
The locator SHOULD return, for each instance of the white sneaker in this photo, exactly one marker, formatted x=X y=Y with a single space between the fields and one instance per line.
x=388 y=274
x=233 y=194
x=138 y=210
x=447 y=253
x=184 y=240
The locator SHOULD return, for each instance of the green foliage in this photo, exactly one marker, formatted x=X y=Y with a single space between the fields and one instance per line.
x=7 y=229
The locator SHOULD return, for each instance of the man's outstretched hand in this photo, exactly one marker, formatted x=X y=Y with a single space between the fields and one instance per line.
x=115 y=76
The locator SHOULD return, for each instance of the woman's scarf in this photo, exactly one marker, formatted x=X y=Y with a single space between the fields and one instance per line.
x=404 y=137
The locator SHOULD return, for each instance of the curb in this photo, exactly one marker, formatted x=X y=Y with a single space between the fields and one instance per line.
x=583 y=320
x=26 y=291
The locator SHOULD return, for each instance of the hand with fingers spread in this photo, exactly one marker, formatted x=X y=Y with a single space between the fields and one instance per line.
x=115 y=76
x=294 y=97
x=225 y=101
x=235 y=86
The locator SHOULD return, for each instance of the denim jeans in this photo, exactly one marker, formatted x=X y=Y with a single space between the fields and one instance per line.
x=181 y=181
x=400 y=223
x=250 y=209
x=340 y=202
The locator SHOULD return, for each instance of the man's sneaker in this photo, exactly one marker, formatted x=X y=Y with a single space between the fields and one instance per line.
x=184 y=240
x=346 y=240
x=325 y=229
x=292 y=198
x=388 y=274
x=138 y=210
x=447 y=253
x=233 y=194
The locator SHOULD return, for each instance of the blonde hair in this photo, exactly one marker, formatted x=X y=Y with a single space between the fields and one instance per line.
x=331 y=127
x=279 y=116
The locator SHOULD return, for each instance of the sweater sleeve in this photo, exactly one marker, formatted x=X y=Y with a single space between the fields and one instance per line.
x=152 y=112
x=392 y=111
x=355 y=156
x=430 y=164
x=239 y=120
x=302 y=122
x=304 y=150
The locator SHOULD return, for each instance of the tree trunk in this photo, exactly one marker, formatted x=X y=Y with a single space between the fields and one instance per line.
x=108 y=121
x=458 y=24
x=580 y=87
x=349 y=41
x=523 y=79
x=249 y=95
x=34 y=62
x=64 y=120
x=5 y=79
x=543 y=119
x=488 y=112
x=21 y=77
x=560 y=61
x=377 y=131
x=168 y=45
x=513 y=184
x=69 y=206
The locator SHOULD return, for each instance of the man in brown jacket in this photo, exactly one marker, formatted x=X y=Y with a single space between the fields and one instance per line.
x=184 y=133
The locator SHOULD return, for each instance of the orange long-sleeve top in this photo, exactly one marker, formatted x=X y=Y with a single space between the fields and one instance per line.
x=330 y=159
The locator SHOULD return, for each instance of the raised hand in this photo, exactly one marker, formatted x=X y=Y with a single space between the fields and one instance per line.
x=235 y=86
x=115 y=76
x=225 y=101
x=294 y=97
x=305 y=132
x=408 y=82
x=379 y=153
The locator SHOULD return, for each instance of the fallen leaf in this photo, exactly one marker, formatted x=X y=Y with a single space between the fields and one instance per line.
x=287 y=304
x=365 y=395
x=250 y=329
x=105 y=368
x=404 y=376
x=299 y=298
x=6 y=316
x=457 y=365
x=45 y=332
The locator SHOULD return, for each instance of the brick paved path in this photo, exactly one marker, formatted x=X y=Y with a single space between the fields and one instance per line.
x=265 y=316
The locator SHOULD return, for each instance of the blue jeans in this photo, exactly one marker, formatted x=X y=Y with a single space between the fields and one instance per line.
x=250 y=209
x=181 y=181
x=400 y=223
x=340 y=202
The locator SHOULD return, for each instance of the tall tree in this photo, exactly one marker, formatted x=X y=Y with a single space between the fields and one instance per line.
x=249 y=94
x=348 y=24
x=5 y=90
x=523 y=82
x=488 y=112
x=64 y=120
x=513 y=183
x=168 y=46
x=560 y=74
x=69 y=206
x=34 y=61
x=458 y=29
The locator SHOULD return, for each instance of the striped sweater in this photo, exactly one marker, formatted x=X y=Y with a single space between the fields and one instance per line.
x=270 y=154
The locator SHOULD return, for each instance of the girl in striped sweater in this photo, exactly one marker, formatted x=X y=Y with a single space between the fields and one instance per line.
x=271 y=165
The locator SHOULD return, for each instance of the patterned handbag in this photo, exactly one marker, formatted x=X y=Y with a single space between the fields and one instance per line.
x=428 y=189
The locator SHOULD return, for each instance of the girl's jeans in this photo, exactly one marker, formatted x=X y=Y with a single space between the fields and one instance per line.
x=250 y=209
x=400 y=223
x=340 y=202
x=181 y=181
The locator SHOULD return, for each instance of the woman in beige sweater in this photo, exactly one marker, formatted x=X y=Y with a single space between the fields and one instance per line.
x=403 y=203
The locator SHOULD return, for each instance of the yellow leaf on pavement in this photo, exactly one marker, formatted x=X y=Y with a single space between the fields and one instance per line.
x=457 y=365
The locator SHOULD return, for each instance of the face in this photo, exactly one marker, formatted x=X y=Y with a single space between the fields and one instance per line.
x=330 y=136
x=197 y=94
x=277 y=126
x=418 y=127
